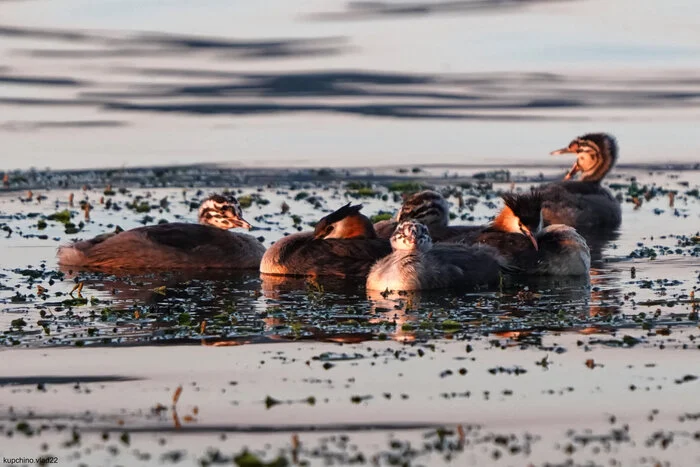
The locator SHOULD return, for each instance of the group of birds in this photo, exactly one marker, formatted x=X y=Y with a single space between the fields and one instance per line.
x=541 y=232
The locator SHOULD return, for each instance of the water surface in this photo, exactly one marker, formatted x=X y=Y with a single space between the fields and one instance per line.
x=334 y=83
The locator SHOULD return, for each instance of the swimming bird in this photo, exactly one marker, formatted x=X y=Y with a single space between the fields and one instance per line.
x=512 y=232
x=174 y=245
x=418 y=264
x=562 y=252
x=584 y=204
x=343 y=244
x=429 y=208
x=518 y=234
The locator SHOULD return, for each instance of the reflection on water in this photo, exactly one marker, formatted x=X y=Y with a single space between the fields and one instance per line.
x=343 y=83
x=633 y=274
x=242 y=307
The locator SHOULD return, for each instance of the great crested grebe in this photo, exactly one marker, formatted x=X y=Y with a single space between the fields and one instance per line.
x=562 y=252
x=175 y=245
x=517 y=233
x=429 y=208
x=584 y=203
x=512 y=232
x=343 y=243
x=417 y=264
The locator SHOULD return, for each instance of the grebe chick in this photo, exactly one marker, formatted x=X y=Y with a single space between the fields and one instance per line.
x=174 y=246
x=562 y=252
x=584 y=204
x=417 y=264
x=429 y=208
x=343 y=243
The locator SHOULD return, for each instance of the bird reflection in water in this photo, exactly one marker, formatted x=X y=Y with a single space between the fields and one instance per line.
x=396 y=308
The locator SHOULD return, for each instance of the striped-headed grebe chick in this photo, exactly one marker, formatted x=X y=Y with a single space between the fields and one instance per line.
x=562 y=252
x=411 y=236
x=429 y=208
x=222 y=211
x=343 y=243
x=417 y=264
x=596 y=154
x=175 y=245
x=584 y=204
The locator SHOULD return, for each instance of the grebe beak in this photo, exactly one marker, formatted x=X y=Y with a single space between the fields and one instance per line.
x=244 y=223
x=525 y=231
x=571 y=149
x=566 y=150
x=232 y=221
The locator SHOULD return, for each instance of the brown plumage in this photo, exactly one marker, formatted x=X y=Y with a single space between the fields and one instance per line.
x=512 y=232
x=343 y=243
x=517 y=233
x=175 y=245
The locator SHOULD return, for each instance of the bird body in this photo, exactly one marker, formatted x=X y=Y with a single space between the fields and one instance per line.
x=343 y=244
x=562 y=252
x=429 y=208
x=584 y=204
x=511 y=232
x=417 y=264
x=173 y=245
x=517 y=233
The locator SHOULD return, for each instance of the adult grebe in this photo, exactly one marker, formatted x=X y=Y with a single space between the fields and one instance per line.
x=174 y=246
x=584 y=204
x=512 y=232
x=343 y=243
x=517 y=233
x=417 y=264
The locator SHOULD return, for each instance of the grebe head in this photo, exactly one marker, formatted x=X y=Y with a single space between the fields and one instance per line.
x=522 y=214
x=346 y=222
x=596 y=153
x=427 y=207
x=222 y=211
x=411 y=235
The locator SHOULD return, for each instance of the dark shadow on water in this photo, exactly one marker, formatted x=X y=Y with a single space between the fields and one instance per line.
x=394 y=111
x=75 y=125
x=153 y=287
x=506 y=96
x=71 y=379
x=128 y=44
x=38 y=81
x=374 y=93
x=598 y=240
x=367 y=10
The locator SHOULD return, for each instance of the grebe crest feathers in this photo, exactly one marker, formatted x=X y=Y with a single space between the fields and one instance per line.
x=527 y=207
x=346 y=222
x=521 y=215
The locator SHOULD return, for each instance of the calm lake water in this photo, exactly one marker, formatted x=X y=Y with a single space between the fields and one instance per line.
x=534 y=372
x=220 y=368
x=335 y=83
